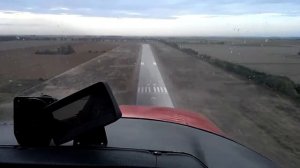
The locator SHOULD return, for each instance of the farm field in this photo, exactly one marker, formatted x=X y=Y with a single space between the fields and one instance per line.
x=21 y=68
x=12 y=45
x=272 y=56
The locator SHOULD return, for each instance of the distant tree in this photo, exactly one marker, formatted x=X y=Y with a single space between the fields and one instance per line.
x=65 y=50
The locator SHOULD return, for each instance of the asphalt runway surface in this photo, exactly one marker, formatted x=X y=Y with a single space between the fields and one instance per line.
x=151 y=87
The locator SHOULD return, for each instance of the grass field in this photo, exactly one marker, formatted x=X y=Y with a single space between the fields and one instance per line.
x=273 y=56
x=257 y=117
x=22 y=72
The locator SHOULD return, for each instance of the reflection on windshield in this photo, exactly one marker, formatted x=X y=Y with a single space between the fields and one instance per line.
x=70 y=110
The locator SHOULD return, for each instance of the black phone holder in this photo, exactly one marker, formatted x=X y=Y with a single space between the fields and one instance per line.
x=80 y=117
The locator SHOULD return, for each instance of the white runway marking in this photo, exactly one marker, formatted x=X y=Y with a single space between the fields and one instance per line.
x=151 y=87
x=155 y=89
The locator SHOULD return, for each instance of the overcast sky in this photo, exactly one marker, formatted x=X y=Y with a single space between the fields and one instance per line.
x=151 y=17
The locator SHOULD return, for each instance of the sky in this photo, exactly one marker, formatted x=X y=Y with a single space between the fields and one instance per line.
x=280 y=18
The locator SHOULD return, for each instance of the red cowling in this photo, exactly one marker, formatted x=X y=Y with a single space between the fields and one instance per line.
x=170 y=115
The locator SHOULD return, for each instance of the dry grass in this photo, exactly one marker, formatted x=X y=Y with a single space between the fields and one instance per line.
x=277 y=57
x=252 y=115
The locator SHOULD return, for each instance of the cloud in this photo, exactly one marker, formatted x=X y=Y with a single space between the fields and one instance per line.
x=84 y=9
x=157 y=8
x=264 y=24
x=59 y=9
x=129 y=13
x=29 y=8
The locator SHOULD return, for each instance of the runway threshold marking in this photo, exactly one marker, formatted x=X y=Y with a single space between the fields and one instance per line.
x=151 y=87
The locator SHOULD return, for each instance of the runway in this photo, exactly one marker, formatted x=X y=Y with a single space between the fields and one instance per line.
x=151 y=89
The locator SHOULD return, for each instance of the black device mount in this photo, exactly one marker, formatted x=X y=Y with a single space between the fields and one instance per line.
x=80 y=117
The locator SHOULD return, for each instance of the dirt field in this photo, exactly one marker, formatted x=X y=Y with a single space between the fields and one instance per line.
x=259 y=118
x=24 y=73
x=277 y=57
x=25 y=64
x=21 y=69
x=118 y=67
x=12 y=45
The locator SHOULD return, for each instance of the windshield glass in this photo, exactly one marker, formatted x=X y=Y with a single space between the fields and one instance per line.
x=235 y=62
